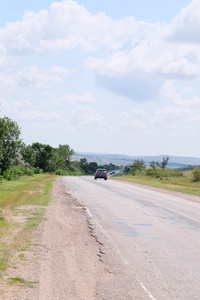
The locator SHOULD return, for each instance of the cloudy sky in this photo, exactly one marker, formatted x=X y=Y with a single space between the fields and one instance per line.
x=105 y=76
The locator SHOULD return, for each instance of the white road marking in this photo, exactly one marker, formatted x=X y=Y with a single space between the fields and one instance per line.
x=125 y=262
x=148 y=293
x=185 y=215
x=178 y=213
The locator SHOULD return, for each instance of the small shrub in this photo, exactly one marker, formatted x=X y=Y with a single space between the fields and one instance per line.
x=37 y=170
x=29 y=172
x=153 y=172
x=10 y=174
x=160 y=173
x=59 y=172
x=196 y=174
x=15 y=172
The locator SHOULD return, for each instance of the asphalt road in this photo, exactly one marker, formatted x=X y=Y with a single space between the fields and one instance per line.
x=150 y=239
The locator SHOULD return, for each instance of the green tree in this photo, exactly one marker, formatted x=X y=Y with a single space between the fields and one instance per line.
x=164 y=162
x=154 y=164
x=138 y=165
x=93 y=166
x=88 y=168
x=196 y=174
x=43 y=154
x=126 y=170
x=157 y=164
x=28 y=154
x=60 y=159
x=66 y=152
x=9 y=142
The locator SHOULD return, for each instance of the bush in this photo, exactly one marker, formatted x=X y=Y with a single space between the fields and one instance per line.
x=29 y=172
x=37 y=170
x=15 y=172
x=153 y=172
x=196 y=174
x=138 y=165
x=59 y=172
x=160 y=173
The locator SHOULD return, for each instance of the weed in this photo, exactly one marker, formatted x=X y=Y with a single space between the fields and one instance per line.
x=22 y=282
x=3 y=222
x=21 y=257
x=3 y=263
x=35 y=219
x=4 y=256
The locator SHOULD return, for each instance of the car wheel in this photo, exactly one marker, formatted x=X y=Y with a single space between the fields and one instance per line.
x=105 y=178
x=95 y=178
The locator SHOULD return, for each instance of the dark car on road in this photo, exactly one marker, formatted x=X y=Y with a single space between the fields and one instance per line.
x=100 y=173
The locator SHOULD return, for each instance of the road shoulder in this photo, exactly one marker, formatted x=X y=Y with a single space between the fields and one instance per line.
x=65 y=257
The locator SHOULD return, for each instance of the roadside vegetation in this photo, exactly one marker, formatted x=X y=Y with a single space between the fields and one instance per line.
x=22 y=207
x=18 y=159
x=26 y=176
x=185 y=180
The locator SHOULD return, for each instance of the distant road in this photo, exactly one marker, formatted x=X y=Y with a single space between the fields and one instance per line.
x=151 y=240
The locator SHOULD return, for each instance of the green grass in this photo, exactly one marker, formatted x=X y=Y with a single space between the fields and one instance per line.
x=4 y=258
x=32 y=190
x=183 y=184
x=15 y=233
x=22 y=282
x=3 y=222
x=35 y=219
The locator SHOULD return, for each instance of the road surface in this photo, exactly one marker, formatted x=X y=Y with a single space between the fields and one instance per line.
x=150 y=239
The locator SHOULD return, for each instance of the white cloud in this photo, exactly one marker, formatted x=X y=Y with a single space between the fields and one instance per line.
x=5 y=107
x=24 y=110
x=193 y=118
x=135 y=113
x=32 y=77
x=85 y=117
x=134 y=120
x=33 y=115
x=186 y=26
x=168 y=91
x=173 y=113
x=139 y=53
x=66 y=25
x=73 y=98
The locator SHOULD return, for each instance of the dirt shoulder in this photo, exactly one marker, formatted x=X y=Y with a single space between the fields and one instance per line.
x=64 y=261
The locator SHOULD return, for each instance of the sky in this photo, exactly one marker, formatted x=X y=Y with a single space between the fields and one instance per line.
x=107 y=77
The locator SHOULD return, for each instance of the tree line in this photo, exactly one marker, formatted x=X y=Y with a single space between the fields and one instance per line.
x=17 y=158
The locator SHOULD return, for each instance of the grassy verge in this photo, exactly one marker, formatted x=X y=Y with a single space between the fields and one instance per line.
x=22 y=207
x=183 y=184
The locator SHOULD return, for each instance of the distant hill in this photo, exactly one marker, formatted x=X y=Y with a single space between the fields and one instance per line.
x=124 y=160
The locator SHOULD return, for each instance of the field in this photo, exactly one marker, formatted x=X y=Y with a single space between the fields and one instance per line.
x=183 y=184
x=22 y=207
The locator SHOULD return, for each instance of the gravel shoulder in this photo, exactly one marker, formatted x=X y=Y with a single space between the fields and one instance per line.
x=65 y=257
